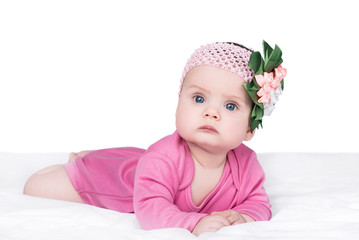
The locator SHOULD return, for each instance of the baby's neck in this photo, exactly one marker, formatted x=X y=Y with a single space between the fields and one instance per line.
x=207 y=159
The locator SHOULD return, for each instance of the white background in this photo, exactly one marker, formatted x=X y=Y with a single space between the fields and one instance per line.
x=78 y=75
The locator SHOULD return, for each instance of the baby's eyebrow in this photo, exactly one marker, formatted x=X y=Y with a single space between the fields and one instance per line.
x=226 y=96
x=195 y=86
x=236 y=97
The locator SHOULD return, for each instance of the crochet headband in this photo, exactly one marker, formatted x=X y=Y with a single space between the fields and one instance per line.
x=263 y=77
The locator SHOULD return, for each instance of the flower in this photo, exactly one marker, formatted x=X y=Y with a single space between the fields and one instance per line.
x=268 y=83
x=280 y=73
x=265 y=82
x=270 y=89
x=269 y=107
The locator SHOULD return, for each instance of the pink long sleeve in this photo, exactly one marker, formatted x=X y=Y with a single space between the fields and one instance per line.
x=162 y=188
x=156 y=183
x=251 y=177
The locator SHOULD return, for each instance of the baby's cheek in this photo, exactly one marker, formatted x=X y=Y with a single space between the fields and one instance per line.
x=236 y=133
x=181 y=125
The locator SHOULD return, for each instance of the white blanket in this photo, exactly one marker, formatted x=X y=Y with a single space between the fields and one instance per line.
x=313 y=196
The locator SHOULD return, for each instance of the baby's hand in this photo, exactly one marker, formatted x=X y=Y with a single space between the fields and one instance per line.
x=210 y=223
x=73 y=155
x=234 y=217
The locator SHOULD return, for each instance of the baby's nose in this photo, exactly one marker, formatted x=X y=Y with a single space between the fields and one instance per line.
x=212 y=113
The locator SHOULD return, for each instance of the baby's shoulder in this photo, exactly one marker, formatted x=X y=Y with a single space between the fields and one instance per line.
x=169 y=150
x=169 y=153
x=244 y=152
x=170 y=146
x=242 y=158
x=244 y=165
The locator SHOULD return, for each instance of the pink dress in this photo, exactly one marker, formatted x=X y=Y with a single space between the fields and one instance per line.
x=156 y=184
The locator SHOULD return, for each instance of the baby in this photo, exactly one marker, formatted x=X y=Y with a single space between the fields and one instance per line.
x=201 y=177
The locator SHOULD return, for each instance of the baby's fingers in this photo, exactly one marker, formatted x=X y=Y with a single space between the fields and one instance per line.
x=240 y=220
x=220 y=221
x=230 y=214
x=234 y=218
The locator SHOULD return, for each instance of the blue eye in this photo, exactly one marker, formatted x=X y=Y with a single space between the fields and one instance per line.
x=231 y=106
x=198 y=99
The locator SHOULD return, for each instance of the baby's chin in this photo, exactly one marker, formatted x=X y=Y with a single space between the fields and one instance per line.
x=210 y=145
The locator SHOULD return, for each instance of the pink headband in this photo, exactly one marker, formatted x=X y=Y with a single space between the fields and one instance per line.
x=226 y=56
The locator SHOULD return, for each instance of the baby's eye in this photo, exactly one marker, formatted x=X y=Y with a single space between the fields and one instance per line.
x=198 y=99
x=231 y=106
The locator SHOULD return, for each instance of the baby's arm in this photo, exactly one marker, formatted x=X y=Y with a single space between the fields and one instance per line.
x=254 y=201
x=156 y=185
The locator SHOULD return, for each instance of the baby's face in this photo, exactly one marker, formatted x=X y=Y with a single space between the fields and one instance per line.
x=214 y=109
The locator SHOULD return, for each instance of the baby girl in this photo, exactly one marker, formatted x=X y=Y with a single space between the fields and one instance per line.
x=201 y=177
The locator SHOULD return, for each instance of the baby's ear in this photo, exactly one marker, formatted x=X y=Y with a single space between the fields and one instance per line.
x=249 y=134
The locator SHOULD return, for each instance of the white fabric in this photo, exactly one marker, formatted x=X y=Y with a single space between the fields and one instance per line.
x=313 y=196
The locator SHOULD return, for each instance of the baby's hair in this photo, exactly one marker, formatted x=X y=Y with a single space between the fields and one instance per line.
x=240 y=45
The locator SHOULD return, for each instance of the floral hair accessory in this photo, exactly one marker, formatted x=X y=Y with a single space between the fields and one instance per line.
x=263 y=77
x=267 y=83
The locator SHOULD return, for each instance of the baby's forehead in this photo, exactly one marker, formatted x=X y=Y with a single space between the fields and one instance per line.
x=207 y=75
x=217 y=81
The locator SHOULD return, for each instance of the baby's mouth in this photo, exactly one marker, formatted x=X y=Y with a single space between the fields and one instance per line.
x=208 y=128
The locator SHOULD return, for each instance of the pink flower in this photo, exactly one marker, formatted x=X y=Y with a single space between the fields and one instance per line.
x=268 y=83
x=280 y=74
x=264 y=81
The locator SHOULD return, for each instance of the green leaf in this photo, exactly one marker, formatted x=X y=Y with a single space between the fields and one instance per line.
x=267 y=49
x=279 y=63
x=256 y=63
x=273 y=59
x=259 y=108
x=256 y=116
x=255 y=124
x=252 y=90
